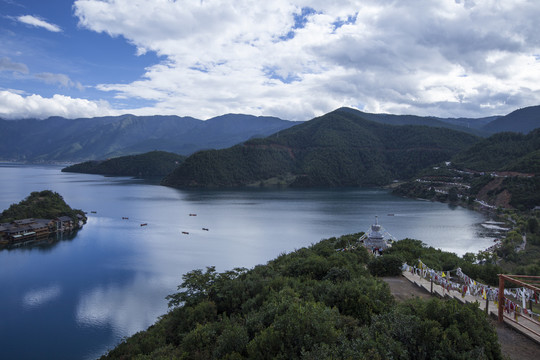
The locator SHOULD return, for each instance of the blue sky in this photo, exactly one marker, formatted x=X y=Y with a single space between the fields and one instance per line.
x=292 y=59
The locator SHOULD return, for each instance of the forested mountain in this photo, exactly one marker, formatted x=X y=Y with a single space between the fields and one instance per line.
x=503 y=152
x=59 y=139
x=468 y=125
x=338 y=149
x=151 y=164
x=522 y=120
x=502 y=170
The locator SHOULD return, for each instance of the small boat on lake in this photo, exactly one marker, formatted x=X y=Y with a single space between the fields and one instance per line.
x=192 y=214
x=144 y=224
x=185 y=233
x=205 y=229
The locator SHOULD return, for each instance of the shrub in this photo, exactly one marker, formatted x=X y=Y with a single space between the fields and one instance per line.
x=386 y=265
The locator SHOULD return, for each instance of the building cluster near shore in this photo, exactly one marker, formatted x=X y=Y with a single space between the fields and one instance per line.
x=20 y=231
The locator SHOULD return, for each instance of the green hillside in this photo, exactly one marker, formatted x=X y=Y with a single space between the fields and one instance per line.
x=154 y=163
x=502 y=170
x=315 y=303
x=503 y=152
x=338 y=149
x=44 y=204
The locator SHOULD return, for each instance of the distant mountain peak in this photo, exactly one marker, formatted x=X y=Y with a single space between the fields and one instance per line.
x=522 y=120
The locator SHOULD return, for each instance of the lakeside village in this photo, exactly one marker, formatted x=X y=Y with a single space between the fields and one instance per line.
x=26 y=231
x=450 y=181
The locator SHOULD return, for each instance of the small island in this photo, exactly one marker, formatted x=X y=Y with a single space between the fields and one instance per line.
x=37 y=217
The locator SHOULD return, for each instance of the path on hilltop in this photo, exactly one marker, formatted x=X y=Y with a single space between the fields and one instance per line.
x=514 y=345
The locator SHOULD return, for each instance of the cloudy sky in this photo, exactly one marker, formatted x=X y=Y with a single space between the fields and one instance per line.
x=292 y=59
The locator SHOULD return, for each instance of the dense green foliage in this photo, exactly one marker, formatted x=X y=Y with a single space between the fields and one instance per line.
x=387 y=265
x=527 y=261
x=153 y=163
x=414 y=189
x=525 y=191
x=44 y=204
x=315 y=303
x=337 y=149
x=503 y=152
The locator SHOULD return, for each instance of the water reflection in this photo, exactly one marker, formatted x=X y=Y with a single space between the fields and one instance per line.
x=43 y=245
x=126 y=308
x=38 y=297
x=122 y=309
x=111 y=280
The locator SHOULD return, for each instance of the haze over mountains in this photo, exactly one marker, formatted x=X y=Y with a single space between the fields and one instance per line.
x=62 y=140
x=58 y=139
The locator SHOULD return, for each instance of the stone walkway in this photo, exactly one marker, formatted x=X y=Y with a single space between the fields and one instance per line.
x=514 y=345
x=523 y=325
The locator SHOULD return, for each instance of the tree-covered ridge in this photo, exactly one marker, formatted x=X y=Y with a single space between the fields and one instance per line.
x=522 y=120
x=314 y=303
x=468 y=125
x=502 y=171
x=503 y=152
x=337 y=149
x=153 y=163
x=44 y=204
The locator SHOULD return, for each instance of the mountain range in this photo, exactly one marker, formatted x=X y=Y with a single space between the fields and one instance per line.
x=63 y=140
x=58 y=139
x=341 y=148
x=522 y=121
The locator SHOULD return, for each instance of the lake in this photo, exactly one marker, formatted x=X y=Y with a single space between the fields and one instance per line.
x=78 y=297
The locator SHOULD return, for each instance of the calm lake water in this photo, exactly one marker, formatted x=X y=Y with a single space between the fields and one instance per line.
x=78 y=297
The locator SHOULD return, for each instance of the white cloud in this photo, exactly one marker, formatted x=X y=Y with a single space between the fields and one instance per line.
x=37 y=22
x=7 y=65
x=61 y=79
x=17 y=106
x=446 y=58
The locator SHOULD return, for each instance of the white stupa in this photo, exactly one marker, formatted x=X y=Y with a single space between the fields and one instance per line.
x=377 y=238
